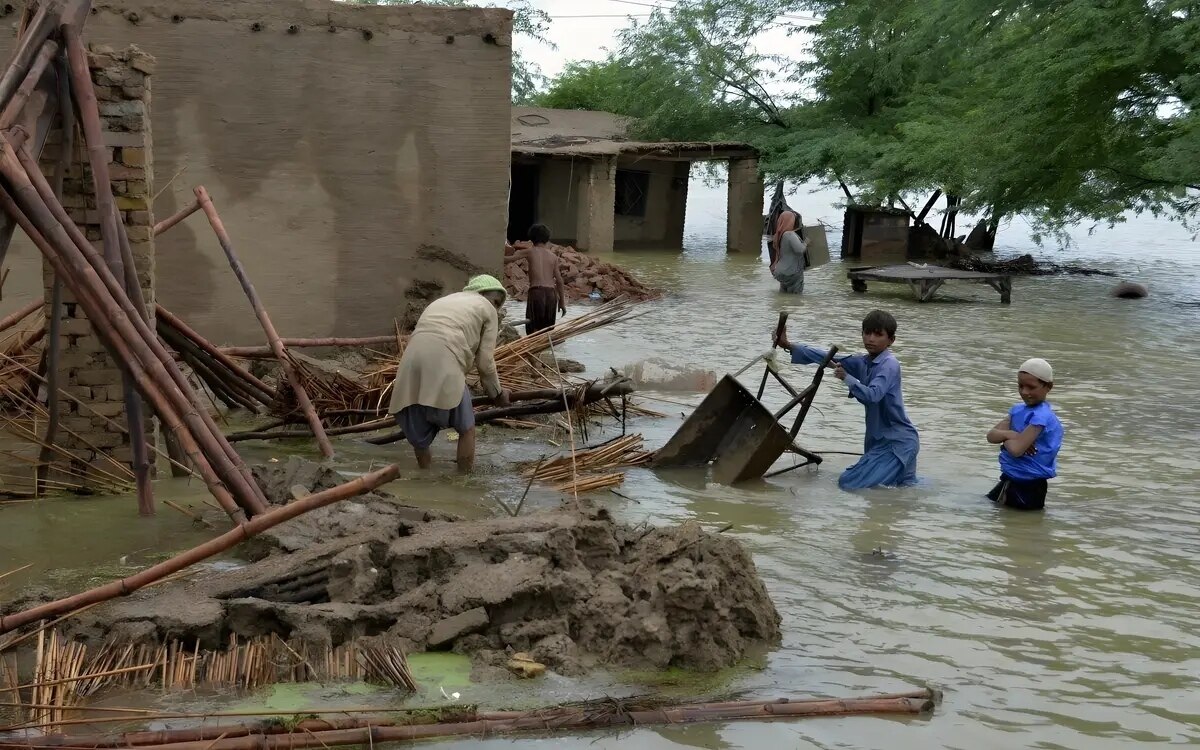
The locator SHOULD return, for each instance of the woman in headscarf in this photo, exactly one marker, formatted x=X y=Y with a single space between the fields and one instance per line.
x=790 y=253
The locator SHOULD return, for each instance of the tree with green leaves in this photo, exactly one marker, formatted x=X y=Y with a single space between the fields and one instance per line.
x=1062 y=111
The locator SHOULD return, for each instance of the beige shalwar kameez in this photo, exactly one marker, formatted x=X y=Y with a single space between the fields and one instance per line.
x=454 y=334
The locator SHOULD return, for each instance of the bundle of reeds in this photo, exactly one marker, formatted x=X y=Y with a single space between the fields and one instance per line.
x=66 y=671
x=24 y=421
x=28 y=414
x=19 y=335
x=592 y=469
x=351 y=403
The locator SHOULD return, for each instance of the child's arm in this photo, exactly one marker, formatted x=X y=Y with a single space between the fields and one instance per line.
x=1021 y=443
x=558 y=284
x=803 y=354
x=1001 y=432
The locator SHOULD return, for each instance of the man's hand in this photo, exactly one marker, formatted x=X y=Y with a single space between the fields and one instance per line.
x=1032 y=451
x=839 y=372
x=503 y=398
x=782 y=342
x=562 y=308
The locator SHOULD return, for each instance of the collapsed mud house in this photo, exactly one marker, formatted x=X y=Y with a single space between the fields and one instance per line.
x=598 y=189
x=322 y=129
x=319 y=128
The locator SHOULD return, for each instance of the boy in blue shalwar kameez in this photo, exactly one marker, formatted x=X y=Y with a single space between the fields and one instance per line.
x=891 y=443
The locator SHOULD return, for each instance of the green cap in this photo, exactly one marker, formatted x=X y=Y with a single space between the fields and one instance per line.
x=484 y=283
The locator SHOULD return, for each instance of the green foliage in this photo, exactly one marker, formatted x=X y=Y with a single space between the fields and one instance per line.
x=529 y=21
x=1061 y=110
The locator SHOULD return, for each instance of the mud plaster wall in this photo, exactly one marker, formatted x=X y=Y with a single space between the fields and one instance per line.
x=350 y=171
x=558 y=200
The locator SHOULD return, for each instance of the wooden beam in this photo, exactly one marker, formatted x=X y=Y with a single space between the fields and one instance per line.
x=928 y=206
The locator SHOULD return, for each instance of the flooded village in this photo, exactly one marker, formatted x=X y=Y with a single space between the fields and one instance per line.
x=239 y=226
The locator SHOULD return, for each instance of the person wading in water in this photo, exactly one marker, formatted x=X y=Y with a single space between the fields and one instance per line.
x=789 y=253
x=454 y=334
x=546 y=294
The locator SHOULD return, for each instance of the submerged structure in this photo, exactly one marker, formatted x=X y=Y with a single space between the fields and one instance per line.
x=599 y=189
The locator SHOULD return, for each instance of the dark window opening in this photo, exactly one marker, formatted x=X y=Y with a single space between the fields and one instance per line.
x=632 y=189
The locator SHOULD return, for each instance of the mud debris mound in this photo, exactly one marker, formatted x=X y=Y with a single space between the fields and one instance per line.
x=573 y=588
x=582 y=275
x=293 y=477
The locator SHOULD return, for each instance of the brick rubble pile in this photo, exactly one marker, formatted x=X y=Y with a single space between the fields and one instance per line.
x=582 y=275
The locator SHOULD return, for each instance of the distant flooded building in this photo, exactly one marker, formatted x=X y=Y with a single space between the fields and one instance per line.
x=875 y=234
x=598 y=190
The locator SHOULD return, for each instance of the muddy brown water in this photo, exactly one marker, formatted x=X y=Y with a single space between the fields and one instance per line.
x=1074 y=628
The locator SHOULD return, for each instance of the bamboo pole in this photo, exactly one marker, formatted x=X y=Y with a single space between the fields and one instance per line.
x=127 y=586
x=609 y=713
x=108 y=320
x=84 y=96
x=160 y=367
x=30 y=43
x=310 y=413
x=13 y=319
x=265 y=391
x=171 y=221
x=226 y=386
x=54 y=322
x=251 y=352
x=20 y=98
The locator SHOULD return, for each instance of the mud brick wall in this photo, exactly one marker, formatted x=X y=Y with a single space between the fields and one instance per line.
x=86 y=370
x=358 y=154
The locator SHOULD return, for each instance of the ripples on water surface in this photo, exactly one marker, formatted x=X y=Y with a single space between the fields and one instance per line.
x=1075 y=628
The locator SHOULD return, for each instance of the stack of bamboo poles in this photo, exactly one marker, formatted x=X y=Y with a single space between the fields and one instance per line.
x=418 y=724
x=105 y=286
x=66 y=671
x=228 y=381
x=592 y=469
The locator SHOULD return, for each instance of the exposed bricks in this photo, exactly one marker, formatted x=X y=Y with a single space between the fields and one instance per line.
x=88 y=372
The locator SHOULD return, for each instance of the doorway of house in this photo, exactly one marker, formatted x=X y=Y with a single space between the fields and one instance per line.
x=522 y=201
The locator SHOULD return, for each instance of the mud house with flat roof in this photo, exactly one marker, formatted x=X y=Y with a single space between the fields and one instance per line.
x=599 y=190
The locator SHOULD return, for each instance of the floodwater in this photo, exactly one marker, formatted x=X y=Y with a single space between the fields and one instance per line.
x=1072 y=628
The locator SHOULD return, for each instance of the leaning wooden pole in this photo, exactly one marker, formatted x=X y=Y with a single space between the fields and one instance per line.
x=84 y=96
x=11 y=320
x=54 y=318
x=12 y=112
x=174 y=219
x=226 y=541
x=306 y=406
x=35 y=34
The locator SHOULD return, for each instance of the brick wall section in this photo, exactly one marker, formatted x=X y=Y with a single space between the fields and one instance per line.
x=87 y=371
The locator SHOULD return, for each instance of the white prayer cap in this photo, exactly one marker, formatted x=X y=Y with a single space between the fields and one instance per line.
x=1039 y=368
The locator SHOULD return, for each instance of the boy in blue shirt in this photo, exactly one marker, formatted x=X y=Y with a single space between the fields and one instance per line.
x=891 y=443
x=1031 y=436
